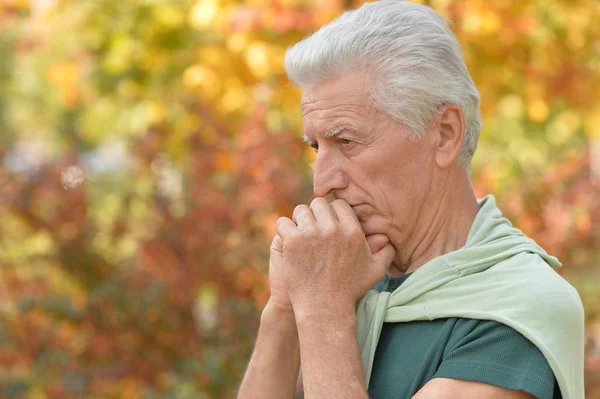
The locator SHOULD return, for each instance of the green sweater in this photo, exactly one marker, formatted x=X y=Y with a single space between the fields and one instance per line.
x=500 y=275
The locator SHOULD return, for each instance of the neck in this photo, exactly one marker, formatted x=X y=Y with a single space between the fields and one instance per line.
x=443 y=228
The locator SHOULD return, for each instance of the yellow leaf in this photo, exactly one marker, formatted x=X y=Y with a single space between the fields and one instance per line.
x=490 y=23
x=256 y=3
x=511 y=106
x=592 y=123
x=63 y=73
x=168 y=15
x=156 y=112
x=234 y=99
x=471 y=22
x=208 y=295
x=65 y=76
x=274 y=120
x=237 y=41
x=131 y=388
x=291 y=3
x=257 y=57
x=538 y=110
x=203 y=78
x=37 y=393
x=439 y=5
x=213 y=56
x=563 y=127
x=204 y=14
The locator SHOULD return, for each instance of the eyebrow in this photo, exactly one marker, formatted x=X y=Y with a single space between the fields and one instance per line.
x=331 y=132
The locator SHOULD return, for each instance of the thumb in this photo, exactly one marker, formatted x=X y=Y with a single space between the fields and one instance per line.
x=377 y=241
x=383 y=258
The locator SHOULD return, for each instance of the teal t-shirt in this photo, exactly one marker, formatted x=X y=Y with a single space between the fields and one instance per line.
x=410 y=354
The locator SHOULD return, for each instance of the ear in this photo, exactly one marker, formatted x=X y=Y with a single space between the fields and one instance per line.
x=449 y=129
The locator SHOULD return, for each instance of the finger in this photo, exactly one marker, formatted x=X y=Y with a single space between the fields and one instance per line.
x=303 y=216
x=285 y=228
x=322 y=211
x=345 y=213
x=277 y=244
x=384 y=257
x=377 y=242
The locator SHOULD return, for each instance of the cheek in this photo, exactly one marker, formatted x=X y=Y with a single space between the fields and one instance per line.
x=398 y=182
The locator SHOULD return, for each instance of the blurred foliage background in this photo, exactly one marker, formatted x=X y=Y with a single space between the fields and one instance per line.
x=147 y=148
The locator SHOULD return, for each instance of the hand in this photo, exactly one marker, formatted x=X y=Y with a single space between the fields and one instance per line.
x=280 y=297
x=327 y=259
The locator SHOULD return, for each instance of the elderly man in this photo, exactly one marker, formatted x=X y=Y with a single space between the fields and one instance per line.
x=405 y=285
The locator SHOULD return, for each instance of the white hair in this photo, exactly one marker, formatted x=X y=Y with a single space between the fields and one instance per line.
x=414 y=63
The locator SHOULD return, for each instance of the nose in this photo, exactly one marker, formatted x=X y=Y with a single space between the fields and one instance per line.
x=328 y=175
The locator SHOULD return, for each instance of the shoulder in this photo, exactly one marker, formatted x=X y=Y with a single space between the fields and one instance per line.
x=545 y=290
x=521 y=289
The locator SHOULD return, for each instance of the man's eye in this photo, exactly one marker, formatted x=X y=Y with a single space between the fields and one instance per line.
x=345 y=141
x=315 y=147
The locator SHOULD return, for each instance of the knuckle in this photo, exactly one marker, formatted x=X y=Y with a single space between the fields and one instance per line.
x=330 y=231
x=356 y=234
x=291 y=241
x=280 y=221
x=338 y=202
x=299 y=208
x=311 y=231
x=318 y=201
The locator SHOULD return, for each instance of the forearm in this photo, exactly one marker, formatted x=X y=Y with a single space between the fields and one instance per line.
x=274 y=366
x=330 y=357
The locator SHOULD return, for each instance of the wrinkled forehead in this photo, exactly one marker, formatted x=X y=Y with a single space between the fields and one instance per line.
x=350 y=91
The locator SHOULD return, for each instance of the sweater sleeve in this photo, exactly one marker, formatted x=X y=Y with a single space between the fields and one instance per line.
x=495 y=354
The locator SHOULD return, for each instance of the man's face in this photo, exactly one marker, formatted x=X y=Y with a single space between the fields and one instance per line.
x=366 y=158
